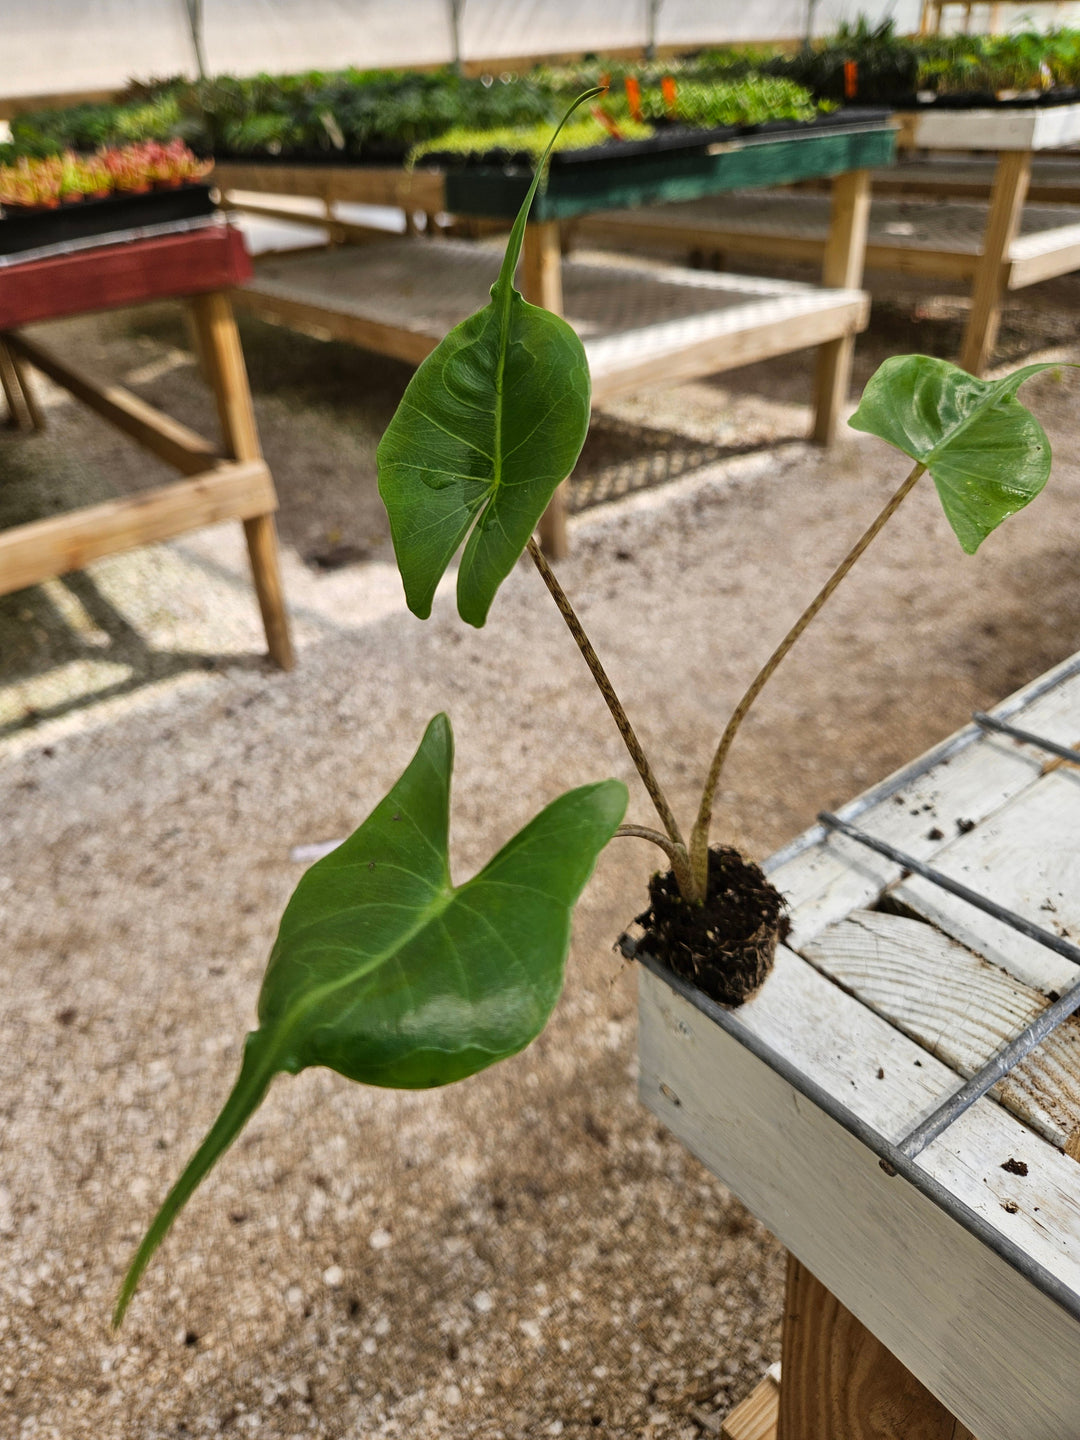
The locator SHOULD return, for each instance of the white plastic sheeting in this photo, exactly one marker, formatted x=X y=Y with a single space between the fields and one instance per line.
x=61 y=46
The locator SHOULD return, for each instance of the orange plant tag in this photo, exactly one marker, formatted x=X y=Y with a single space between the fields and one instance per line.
x=633 y=97
x=607 y=122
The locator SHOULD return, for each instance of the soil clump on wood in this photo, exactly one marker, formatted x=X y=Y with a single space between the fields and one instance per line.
x=726 y=946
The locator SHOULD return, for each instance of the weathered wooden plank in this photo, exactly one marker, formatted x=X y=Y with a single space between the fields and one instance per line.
x=960 y=1008
x=1055 y=179
x=841 y=269
x=360 y=184
x=1040 y=128
x=223 y=358
x=756 y=1417
x=1002 y=227
x=1025 y=857
x=23 y=411
x=645 y=229
x=43 y=548
x=967 y=778
x=941 y=1300
x=1042 y=256
x=175 y=443
x=340 y=231
x=840 y=1382
x=684 y=350
x=326 y=322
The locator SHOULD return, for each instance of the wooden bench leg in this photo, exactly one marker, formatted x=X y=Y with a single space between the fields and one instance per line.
x=24 y=413
x=541 y=284
x=1007 y=198
x=841 y=268
x=838 y=1381
x=219 y=345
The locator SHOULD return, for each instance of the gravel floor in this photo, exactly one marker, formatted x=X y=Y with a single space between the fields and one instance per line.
x=527 y=1253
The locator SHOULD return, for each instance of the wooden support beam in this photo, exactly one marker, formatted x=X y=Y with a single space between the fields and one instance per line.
x=323 y=322
x=839 y=1381
x=224 y=360
x=363 y=184
x=342 y=232
x=841 y=268
x=1029 y=262
x=653 y=231
x=1006 y=206
x=167 y=438
x=219 y=345
x=726 y=351
x=23 y=410
x=756 y=1417
x=43 y=548
x=541 y=284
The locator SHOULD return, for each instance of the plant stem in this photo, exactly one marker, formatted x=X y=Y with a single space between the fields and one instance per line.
x=675 y=853
x=699 y=836
x=677 y=849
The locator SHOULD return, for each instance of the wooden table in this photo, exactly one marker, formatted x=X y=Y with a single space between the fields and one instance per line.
x=934 y=1288
x=1007 y=250
x=198 y=265
x=648 y=344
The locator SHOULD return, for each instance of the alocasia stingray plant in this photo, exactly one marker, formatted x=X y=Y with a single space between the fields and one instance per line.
x=383 y=969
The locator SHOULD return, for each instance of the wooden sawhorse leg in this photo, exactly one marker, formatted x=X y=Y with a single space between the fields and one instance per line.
x=1007 y=198
x=842 y=269
x=542 y=285
x=837 y=1381
x=24 y=413
x=219 y=347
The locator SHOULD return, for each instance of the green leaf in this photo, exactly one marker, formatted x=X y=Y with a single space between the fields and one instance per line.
x=387 y=973
x=491 y=423
x=987 y=454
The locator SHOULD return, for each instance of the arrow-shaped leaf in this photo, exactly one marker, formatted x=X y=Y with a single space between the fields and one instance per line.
x=491 y=423
x=386 y=972
x=987 y=454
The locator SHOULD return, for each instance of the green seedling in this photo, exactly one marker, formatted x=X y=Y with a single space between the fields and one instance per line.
x=383 y=969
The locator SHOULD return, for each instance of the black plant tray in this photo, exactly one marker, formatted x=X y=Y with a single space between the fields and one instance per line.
x=669 y=139
x=86 y=218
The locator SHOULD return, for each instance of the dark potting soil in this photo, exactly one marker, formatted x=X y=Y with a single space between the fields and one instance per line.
x=726 y=946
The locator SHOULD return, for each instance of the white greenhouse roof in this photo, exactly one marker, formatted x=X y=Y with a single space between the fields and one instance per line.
x=50 y=47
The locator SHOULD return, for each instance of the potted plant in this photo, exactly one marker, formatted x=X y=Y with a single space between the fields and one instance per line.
x=386 y=971
x=31 y=184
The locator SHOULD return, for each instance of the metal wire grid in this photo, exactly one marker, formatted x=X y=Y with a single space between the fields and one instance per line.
x=899 y=1157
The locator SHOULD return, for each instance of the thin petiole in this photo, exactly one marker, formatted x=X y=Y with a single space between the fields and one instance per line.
x=614 y=704
x=699 y=836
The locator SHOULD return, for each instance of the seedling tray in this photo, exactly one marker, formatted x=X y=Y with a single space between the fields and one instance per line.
x=603 y=179
x=86 y=218
x=669 y=139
